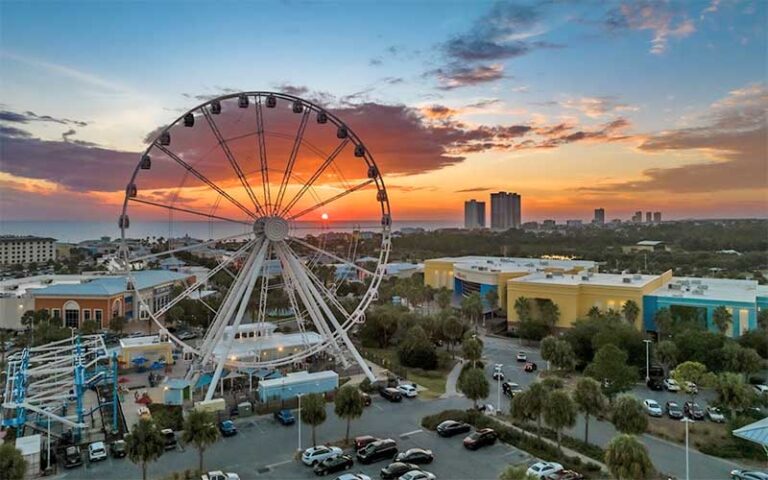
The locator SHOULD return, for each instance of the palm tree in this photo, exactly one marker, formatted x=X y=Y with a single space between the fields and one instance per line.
x=492 y=297
x=200 y=430
x=472 y=350
x=12 y=464
x=627 y=459
x=537 y=395
x=631 y=310
x=145 y=444
x=629 y=416
x=474 y=385
x=472 y=307
x=550 y=313
x=666 y=354
x=313 y=412
x=722 y=318
x=523 y=309
x=594 y=313
x=443 y=298
x=349 y=405
x=559 y=413
x=589 y=400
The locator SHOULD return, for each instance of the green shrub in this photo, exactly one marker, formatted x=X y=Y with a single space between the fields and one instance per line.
x=167 y=416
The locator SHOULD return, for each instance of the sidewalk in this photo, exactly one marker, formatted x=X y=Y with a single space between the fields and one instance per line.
x=453 y=378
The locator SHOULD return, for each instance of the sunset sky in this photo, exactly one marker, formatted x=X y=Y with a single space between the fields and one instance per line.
x=643 y=105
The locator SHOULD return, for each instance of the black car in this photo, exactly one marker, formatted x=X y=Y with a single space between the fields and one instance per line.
x=395 y=470
x=72 y=457
x=693 y=410
x=450 y=428
x=169 y=438
x=480 y=438
x=378 y=450
x=391 y=394
x=674 y=410
x=118 y=448
x=415 y=455
x=333 y=464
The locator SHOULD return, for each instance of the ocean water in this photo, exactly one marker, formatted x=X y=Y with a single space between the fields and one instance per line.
x=77 y=231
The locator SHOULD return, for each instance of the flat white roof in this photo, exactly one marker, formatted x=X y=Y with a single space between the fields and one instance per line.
x=248 y=347
x=29 y=445
x=298 y=377
x=603 y=279
x=141 y=341
x=515 y=264
x=712 y=289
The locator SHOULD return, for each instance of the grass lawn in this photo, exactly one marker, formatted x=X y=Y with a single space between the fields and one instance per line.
x=432 y=380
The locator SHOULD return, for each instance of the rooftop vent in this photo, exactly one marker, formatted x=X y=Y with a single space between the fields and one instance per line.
x=626 y=280
x=585 y=278
x=548 y=275
x=637 y=276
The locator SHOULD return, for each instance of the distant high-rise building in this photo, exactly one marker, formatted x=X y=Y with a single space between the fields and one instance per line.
x=474 y=214
x=648 y=217
x=599 y=216
x=656 y=217
x=573 y=223
x=506 y=210
x=548 y=224
x=637 y=217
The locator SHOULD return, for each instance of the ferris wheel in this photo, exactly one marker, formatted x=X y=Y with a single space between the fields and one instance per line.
x=256 y=172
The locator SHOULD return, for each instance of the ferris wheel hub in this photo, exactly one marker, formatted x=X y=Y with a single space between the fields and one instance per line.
x=275 y=228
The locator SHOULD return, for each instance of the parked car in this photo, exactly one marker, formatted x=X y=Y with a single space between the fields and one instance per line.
x=186 y=335
x=396 y=469
x=652 y=408
x=407 y=390
x=760 y=389
x=522 y=356
x=72 y=457
x=748 y=475
x=542 y=469
x=97 y=452
x=530 y=367
x=219 y=475
x=169 y=437
x=378 y=450
x=285 y=417
x=671 y=385
x=480 y=438
x=510 y=389
x=366 y=399
x=334 y=464
x=415 y=455
x=565 y=475
x=364 y=440
x=314 y=455
x=715 y=415
x=690 y=388
x=418 y=475
x=227 y=428
x=353 y=476
x=118 y=449
x=391 y=394
x=497 y=373
x=450 y=428
x=693 y=410
x=674 y=410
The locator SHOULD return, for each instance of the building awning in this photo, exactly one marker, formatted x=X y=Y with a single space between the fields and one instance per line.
x=754 y=432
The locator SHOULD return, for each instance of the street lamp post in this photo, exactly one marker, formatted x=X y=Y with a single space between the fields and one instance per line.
x=687 y=464
x=647 y=360
x=498 y=391
x=298 y=420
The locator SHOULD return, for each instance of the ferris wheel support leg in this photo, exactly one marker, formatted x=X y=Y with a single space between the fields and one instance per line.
x=242 y=302
x=318 y=300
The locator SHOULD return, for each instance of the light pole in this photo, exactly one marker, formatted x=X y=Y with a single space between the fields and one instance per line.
x=647 y=359
x=298 y=420
x=687 y=471
x=498 y=389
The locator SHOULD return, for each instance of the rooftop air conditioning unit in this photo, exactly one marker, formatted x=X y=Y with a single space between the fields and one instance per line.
x=704 y=287
x=626 y=280
x=637 y=276
x=696 y=282
x=549 y=275
x=698 y=291
x=585 y=278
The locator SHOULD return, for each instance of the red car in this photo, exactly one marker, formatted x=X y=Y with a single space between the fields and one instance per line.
x=363 y=440
x=530 y=367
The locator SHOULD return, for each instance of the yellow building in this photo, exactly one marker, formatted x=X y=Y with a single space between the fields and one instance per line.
x=576 y=294
x=470 y=274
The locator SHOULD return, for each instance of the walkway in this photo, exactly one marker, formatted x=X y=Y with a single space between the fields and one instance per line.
x=453 y=378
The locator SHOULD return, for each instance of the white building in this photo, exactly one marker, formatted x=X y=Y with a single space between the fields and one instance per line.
x=18 y=250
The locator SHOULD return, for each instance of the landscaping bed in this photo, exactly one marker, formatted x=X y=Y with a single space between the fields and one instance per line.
x=432 y=380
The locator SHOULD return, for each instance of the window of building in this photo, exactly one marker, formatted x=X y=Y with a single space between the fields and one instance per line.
x=55 y=313
x=97 y=315
x=72 y=318
x=86 y=314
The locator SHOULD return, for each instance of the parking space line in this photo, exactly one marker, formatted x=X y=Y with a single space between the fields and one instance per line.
x=407 y=434
x=279 y=464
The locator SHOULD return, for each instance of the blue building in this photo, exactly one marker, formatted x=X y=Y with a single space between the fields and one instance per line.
x=695 y=299
x=298 y=383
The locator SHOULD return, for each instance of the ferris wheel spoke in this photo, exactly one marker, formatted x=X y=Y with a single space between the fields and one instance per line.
x=186 y=210
x=232 y=160
x=190 y=247
x=331 y=255
x=291 y=159
x=332 y=199
x=315 y=176
x=290 y=292
x=204 y=179
x=264 y=167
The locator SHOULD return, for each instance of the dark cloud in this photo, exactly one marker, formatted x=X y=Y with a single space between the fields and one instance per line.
x=376 y=62
x=456 y=76
x=65 y=136
x=475 y=189
x=731 y=140
x=26 y=117
x=664 y=19
x=13 y=132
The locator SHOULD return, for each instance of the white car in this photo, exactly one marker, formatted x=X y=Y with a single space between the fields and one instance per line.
x=417 y=475
x=652 y=408
x=761 y=389
x=353 y=476
x=671 y=385
x=691 y=388
x=317 y=454
x=407 y=390
x=522 y=357
x=97 y=451
x=219 y=475
x=542 y=469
